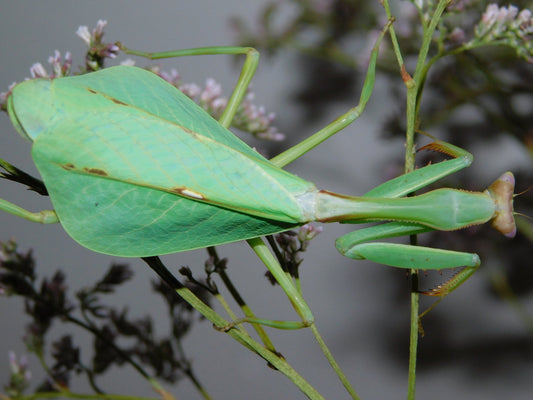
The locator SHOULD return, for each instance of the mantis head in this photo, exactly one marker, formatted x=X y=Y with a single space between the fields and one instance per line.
x=502 y=192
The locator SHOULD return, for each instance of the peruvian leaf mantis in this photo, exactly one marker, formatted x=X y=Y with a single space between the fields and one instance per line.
x=134 y=168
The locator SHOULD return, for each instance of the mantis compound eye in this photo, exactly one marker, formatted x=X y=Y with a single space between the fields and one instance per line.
x=502 y=191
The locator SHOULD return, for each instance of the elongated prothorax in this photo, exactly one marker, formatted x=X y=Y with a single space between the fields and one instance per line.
x=441 y=209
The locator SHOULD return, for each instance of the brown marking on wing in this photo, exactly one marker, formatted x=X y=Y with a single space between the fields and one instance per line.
x=95 y=171
x=116 y=101
x=68 y=166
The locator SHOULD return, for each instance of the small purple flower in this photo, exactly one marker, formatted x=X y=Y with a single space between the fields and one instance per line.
x=457 y=35
x=507 y=26
x=191 y=90
x=172 y=77
x=97 y=51
x=94 y=37
x=256 y=120
x=308 y=232
x=84 y=34
x=37 y=71
x=5 y=95
x=59 y=68
x=20 y=375
x=98 y=31
x=128 y=61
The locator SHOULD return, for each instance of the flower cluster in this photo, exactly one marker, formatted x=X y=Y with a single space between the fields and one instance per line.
x=60 y=68
x=249 y=117
x=292 y=244
x=256 y=120
x=209 y=97
x=97 y=51
x=506 y=25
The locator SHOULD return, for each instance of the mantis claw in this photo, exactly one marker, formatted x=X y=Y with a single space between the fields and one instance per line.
x=452 y=283
x=448 y=149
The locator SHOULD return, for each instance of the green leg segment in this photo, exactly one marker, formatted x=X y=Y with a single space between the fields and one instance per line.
x=43 y=217
x=419 y=178
x=247 y=71
x=355 y=245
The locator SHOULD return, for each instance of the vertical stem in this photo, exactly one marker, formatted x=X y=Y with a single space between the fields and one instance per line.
x=414 y=90
x=428 y=37
x=412 y=93
x=345 y=382
x=413 y=335
x=409 y=166
x=411 y=111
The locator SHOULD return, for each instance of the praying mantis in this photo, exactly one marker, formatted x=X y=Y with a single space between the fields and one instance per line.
x=134 y=168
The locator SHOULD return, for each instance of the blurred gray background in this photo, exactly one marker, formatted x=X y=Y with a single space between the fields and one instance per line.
x=361 y=309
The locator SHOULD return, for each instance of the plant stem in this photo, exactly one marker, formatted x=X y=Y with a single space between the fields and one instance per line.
x=274 y=359
x=414 y=89
x=294 y=294
x=345 y=382
x=413 y=336
x=284 y=280
x=240 y=301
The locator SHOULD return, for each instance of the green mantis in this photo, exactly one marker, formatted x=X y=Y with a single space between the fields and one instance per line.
x=135 y=169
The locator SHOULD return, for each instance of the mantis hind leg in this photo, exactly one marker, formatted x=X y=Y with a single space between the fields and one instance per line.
x=43 y=217
x=247 y=71
x=14 y=174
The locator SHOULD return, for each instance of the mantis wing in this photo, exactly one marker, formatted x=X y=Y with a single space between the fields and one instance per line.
x=135 y=168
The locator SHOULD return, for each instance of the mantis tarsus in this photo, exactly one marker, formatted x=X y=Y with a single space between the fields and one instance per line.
x=134 y=168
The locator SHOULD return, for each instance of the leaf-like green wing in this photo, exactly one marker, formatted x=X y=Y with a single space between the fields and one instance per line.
x=135 y=168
